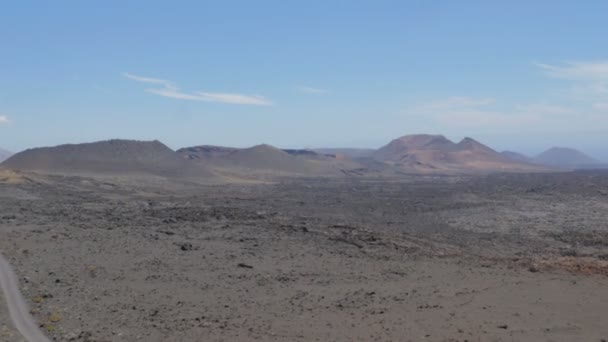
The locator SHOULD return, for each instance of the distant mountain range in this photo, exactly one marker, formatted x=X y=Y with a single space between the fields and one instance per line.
x=436 y=153
x=558 y=157
x=4 y=154
x=419 y=153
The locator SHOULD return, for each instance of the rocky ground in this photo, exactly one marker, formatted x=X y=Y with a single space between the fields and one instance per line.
x=487 y=258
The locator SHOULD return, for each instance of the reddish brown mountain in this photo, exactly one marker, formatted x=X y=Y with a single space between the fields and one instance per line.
x=436 y=153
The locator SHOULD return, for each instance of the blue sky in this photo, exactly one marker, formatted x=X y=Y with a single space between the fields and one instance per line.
x=520 y=75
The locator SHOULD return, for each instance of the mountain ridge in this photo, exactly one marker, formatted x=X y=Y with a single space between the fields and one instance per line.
x=414 y=153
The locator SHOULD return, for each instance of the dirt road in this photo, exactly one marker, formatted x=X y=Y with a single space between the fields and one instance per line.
x=17 y=306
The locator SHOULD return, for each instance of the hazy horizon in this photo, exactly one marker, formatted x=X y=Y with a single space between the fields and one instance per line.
x=528 y=152
x=314 y=74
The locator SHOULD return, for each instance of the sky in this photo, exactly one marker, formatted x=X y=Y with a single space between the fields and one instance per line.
x=516 y=75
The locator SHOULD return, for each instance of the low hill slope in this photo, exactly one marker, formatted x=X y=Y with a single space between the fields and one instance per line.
x=107 y=157
x=265 y=157
x=516 y=156
x=268 y=160
x=4 y=154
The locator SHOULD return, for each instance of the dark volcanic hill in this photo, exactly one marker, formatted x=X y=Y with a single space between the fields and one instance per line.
x=107 y=157
x=205 y=151
x=211 y=151
x=565 y=157
x=436 y=153
x=4 y=154
x=265 y=157
x=353 y=153
x=267 y=160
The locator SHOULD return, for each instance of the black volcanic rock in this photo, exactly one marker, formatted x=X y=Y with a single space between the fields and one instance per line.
x=111 y=156
x=354 y=153
x=205 y=151
x=299 y=152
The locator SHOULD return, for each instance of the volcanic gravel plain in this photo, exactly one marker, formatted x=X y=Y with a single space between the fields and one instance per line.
x=505 y=257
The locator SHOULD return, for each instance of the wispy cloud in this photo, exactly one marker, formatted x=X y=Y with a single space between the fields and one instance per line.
x=481 y=118
x=578 y=71
x=458 y=102
x=601 y=107
x=589 y=82
x=4 y=119
x=472 y=112
x=545 y=109
x=142 y=79
x=170 y=90
x=582 y=105
x=313 y=90
x=212 y=97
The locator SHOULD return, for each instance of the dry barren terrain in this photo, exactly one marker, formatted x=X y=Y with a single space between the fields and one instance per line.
x=485 y=258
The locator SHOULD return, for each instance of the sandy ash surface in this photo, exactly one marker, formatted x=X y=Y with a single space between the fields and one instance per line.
x=495 y=258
